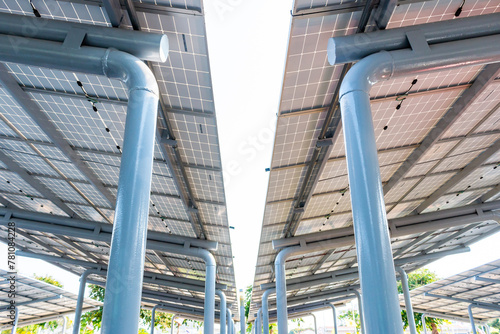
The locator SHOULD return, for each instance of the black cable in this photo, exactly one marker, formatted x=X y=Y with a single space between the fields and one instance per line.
x=459 y=10
x=35 y=11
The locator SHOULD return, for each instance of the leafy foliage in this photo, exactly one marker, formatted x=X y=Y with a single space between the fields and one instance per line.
x=299 y=330
x=48 y=279
x=416 y=279
x=91 y=321
x=495 y=326
x=352 y=316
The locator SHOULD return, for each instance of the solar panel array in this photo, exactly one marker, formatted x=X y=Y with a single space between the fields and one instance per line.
x=52 y=300
x=306 y=195
x=465 y=286
x=88 y=113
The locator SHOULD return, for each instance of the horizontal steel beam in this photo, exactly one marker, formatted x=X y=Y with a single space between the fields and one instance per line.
x=490 y=306
x=160 y=7
x=143 y=45
x=149 y=277
x=485 y=279
x=404 y=226
x=92 y=230
x=352 y=273
x=354 y=47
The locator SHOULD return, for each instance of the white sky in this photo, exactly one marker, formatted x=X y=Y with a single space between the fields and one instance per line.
x=247 y=48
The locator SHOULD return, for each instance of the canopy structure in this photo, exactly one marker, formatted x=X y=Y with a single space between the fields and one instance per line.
x=38 y=301
x=61 y=144
x=452 y=296
x=437 y=137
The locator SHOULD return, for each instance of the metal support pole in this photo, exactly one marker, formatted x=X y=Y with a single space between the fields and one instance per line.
x=376 y=267
x=153 y=319
x=242 y=312
x=233 y=327
x=172 y=323
x=408 y=305
x=423 y=323
x=373 y=245
x=128 y=243
x=259 y=322
x=210 y=276
x=334 y=310
x=65 y=322
x=315 y=324
x=14 y=324
x=471 y=317
x=360 y=308
x=229 y=319
x=81 y=297
x=222 y=308
x=265 y=309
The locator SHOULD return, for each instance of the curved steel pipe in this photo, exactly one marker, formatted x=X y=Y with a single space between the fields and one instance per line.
x=222 y=297
x=377 y=277
x=143 y=45
x=265 y=309
x=229 y=319
x=408 y=305
x=80 y=298
x=334 y=310
x=128 y=243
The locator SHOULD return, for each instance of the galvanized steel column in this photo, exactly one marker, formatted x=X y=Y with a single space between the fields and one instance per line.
x=471 y=317
x=334 y=311
x=14 y=324
x=229 y=319
x=172 y=323
x=65 y=322
x=259 y=322
x=81 y=296
x=128 y=243
x=242 y=313
x=361 y=313
x=265 y=309
x=373 y=245
x=408 y=306
x=315 y=324
x=222 y=310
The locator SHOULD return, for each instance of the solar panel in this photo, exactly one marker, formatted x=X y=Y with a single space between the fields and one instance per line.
x=88 y=113
x=38 y=300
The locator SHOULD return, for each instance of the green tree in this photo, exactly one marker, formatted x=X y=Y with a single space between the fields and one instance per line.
x=354 y=317
x=48 y=279
x=417 y=279
x=495 y=325
x=92 y=319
